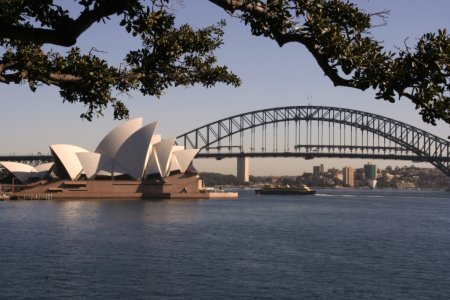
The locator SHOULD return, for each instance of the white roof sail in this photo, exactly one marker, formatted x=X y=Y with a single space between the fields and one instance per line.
x=133 y=154
x=116 y=137
x=43 y=169
x=23 y=172
x=152 y=165
x=164 y=154
x=117 y=168
x=67 y=156
x=184 y=158
x=177 y=148
x=156 y=138
x=174 y=166
x=97 y=164
x=90 y=162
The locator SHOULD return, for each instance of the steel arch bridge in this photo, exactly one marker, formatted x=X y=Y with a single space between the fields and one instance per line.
x=317 y=131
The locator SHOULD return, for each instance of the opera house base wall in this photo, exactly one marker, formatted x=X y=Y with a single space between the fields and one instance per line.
x=180 y=186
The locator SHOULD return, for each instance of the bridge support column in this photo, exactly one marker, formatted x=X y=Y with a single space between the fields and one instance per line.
x=243 y=169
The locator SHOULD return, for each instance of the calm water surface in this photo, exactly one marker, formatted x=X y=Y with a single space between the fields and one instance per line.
x=338 y=244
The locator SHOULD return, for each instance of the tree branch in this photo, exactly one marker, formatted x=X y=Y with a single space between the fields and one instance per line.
x=285 y=38
x=232 y=5
x=321 y=59
x=67 y=32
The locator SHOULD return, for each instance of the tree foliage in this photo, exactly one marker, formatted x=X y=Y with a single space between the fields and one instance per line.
x=169 y=56
x=336 y=33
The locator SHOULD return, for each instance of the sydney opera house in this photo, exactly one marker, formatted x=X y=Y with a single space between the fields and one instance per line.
x=130 y=162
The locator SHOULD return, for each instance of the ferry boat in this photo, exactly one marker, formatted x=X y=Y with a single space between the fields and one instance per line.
x=286 y=190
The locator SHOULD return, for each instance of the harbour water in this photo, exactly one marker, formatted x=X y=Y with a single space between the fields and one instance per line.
x=337 y=244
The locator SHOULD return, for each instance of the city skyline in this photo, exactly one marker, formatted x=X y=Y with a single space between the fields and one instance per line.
x=272 y=77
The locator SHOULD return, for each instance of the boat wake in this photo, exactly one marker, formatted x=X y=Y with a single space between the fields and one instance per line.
x=348 y=195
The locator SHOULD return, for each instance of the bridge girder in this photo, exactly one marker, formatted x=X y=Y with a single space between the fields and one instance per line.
x=32 y=160
x=424 y=146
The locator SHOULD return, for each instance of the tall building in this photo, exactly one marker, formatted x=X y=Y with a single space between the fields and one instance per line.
x=243 y=169
x=348 y=176
x=370 y=171
x=318 y=170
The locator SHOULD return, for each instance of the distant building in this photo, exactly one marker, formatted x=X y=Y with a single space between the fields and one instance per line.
x=243 y=169
x=333 y=172
x=370 y=171
x=274 y=179
x=318 y=171
x=348 y=176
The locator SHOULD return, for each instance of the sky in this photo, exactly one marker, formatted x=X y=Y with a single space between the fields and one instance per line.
x=271 y=77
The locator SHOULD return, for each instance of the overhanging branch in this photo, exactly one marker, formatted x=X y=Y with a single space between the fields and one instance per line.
x=321 y=59
x=285 y=38
x=67 y=32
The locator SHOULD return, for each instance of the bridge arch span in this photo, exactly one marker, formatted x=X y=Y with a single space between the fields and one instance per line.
x=317 y=131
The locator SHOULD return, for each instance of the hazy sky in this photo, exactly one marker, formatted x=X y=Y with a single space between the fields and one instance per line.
x=271 y=76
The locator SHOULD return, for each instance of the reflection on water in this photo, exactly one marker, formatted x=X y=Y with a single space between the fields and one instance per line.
x=172 y=211
x=334 y=245
x=74 y=212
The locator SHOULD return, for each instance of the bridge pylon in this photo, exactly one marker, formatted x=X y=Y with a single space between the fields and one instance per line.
x=243 y=169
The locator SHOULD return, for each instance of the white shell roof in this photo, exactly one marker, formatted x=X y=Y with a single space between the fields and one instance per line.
x=90 y=162
x=43 y=169
x=153 y=164
x=184 y=158
x=23 y=172
x=112 y=142
x=163 y=151
x=133 y=154
x=177 y=148
x=67 y=155
x=127 y=149
x=174 y=166
x=156 y=138
x=97 y=164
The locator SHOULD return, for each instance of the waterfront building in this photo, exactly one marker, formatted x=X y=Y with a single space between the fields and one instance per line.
x=146 y=164
x=348 y=176
x=318 y=171
x=335 y=173
x=370 y=173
